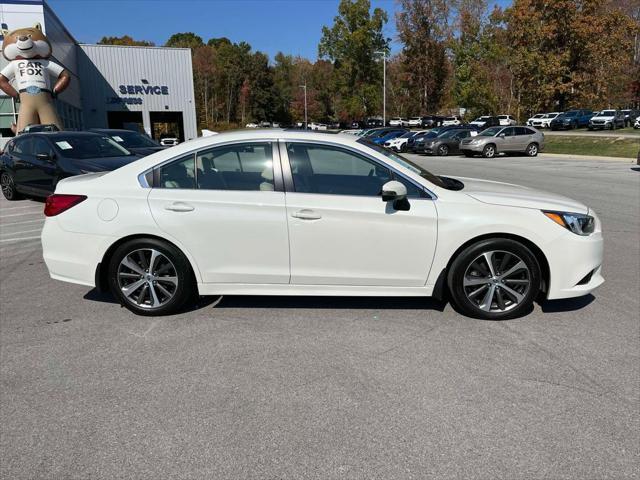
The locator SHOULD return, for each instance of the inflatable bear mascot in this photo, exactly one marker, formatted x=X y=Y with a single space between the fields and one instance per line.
x=30 y=69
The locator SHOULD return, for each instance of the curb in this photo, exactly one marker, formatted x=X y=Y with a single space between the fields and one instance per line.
x=589 y=157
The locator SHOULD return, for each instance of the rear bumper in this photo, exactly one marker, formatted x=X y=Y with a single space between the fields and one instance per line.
x=73 y=265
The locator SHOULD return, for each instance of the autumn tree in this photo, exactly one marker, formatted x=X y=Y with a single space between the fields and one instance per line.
x=423 y=29
x=350 y=44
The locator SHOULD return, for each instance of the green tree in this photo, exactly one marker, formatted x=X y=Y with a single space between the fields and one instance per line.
x=351 y=45
x=184 y=40
x=125 y=40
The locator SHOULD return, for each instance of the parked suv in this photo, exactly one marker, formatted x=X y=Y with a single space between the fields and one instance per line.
x=495 y=140
x=431 y=121
x=571 y=119
x=610 y=119
x=629 y=116
x=506 y=120
x=485 y=122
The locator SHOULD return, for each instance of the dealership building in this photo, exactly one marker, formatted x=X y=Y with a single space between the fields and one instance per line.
x=141 y=88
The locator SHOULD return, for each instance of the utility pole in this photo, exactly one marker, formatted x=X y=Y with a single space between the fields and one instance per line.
x=304 y=87
x=384 y=85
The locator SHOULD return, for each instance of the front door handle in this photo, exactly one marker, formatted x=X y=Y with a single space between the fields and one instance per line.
x=306 y=214
x=179 y=207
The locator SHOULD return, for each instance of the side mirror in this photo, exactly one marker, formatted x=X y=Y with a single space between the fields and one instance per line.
x=44 y=156
x=395 y=192
x=502 y=135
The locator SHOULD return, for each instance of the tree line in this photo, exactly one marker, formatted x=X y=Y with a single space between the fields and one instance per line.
x=530 y=57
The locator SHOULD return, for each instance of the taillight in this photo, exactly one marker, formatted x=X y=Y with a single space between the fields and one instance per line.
x=58 y=203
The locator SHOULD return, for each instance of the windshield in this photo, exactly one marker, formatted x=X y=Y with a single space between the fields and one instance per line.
x=551 y=115
x=490 y=132
x=569 y=114
x=607 y=113
x=400 y=160
x=407 y=135
x=89 y=146
x=481 y=119
x=448 y=133
x=133 y=140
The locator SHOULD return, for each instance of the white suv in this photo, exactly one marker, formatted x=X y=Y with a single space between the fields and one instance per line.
x=506 y=120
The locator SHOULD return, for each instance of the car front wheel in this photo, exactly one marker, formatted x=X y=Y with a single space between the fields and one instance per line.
x=489 y=151
x=494 y=279
x=9 y=187
x=443 y=150
x=150 y=277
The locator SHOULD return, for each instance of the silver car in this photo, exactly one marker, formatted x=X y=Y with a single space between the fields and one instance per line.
x=494 y=140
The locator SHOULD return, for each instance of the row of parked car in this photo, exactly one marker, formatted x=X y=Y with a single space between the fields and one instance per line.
x=459 y=139
x=571 y=119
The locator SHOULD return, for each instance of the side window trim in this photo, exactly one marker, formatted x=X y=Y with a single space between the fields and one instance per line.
x=288 y=176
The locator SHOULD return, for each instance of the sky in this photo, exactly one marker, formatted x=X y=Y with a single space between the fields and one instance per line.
x=291 y=26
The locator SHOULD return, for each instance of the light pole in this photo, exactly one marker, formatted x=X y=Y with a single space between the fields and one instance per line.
x=384 y=85
x=304 y=87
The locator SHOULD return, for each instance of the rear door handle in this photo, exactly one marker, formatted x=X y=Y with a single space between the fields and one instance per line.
x=179 y=207
x=306 y=214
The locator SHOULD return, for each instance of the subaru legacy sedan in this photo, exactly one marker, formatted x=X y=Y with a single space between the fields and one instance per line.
x=277 y=212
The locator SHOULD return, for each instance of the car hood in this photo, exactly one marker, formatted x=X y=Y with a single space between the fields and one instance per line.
x=510 y=195
x=602 y=117
x=104 y=164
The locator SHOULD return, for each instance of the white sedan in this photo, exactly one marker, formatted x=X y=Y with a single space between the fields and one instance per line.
x=272 y=212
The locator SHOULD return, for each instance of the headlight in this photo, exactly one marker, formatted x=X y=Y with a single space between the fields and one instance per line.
x=576 y=222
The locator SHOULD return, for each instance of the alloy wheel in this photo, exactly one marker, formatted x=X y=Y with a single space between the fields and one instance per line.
x=443 y=150
x=7 y=186
x=532 y=150
x=489 y=151
x=147 y=278
x=496 y=281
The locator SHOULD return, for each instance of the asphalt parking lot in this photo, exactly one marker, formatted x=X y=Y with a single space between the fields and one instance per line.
x=260 y=387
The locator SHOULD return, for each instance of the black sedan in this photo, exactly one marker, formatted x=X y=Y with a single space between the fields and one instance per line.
x=135 y=142
x=33 y=163
x=447 y=142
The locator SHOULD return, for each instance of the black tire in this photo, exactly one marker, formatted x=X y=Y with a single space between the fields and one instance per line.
x=489 y=151
x=181 y=293
x=443 y=150
x=9 y=187
x=465 y=261
x=532 y=149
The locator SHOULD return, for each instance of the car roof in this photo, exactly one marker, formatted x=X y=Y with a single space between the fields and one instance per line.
x=60 y=135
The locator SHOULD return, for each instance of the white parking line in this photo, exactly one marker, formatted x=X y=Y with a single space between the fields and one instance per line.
x=19 y=223
x=4 y=209
x=21 y=232
x=19 y=239
x=39 y=212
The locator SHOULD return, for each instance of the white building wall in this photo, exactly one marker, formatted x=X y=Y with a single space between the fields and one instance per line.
x=104 y=68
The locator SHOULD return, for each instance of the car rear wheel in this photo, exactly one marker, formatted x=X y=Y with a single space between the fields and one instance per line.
x=489 y=151
x=532 y=150
x=9 y=187
x=150 y=277
x=443 y=150
x=494 y=279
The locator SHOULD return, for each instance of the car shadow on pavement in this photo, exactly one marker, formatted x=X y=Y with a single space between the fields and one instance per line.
x=347 y=303
x=567 y=304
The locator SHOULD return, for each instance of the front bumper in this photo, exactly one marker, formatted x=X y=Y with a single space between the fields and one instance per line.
x=575 y=264
x=471 y=147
